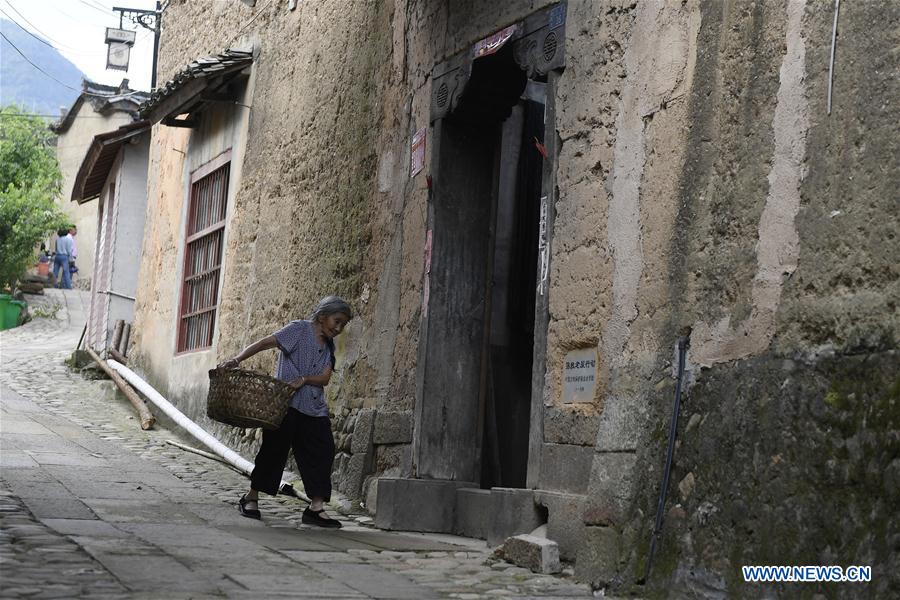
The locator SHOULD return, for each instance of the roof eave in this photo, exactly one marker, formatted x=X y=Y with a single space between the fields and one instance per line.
x=190 y=89
x=99 y=159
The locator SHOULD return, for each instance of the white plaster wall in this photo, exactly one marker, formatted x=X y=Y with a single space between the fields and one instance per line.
x=71 y=147
x=131 y=216
x=129 y=227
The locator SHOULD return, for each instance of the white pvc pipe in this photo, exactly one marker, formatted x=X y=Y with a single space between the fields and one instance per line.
x=205 y=438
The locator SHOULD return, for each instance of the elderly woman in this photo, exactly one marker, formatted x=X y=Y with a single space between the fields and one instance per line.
x=306 y=362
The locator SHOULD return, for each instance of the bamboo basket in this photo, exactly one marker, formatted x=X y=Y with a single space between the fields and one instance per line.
x=247 y=399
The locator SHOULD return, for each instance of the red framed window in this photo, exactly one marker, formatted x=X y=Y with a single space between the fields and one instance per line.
x=203 y=255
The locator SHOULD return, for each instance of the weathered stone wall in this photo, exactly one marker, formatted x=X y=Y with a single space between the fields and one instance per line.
x=764 y=227
x=156 y=306
x=781 y=461
x=325 y=204
x=701 y=188
x=299 y=220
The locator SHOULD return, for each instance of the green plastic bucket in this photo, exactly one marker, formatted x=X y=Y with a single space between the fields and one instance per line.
x=9 y=312
x=4 y=304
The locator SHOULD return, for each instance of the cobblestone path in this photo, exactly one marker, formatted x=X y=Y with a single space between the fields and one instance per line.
x=91 y=506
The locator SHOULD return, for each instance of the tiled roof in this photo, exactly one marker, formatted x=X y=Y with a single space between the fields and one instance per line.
x=103 y=99
x=229 y=61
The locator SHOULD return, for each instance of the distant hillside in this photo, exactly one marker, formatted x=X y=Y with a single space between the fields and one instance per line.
x=22 y=84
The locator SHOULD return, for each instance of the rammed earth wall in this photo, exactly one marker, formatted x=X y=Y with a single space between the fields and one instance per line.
x=779 y=259
x=701 y=187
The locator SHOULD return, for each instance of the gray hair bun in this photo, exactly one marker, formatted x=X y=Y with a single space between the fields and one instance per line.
x=330 y=305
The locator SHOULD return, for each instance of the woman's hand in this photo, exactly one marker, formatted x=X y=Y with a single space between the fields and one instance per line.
x=257 y=346
x=298 y=383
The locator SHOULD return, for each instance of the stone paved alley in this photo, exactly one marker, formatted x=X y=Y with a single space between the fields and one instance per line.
x=91 y=506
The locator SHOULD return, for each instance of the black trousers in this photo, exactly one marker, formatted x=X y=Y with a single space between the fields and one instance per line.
x=313 y=445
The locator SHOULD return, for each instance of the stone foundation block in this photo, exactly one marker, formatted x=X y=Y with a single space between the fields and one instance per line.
x=565 y=524
x=418 y=504
x=393 y=427
x=568 y=426
x=610 y=490
x=598 y=558
x=538 y=554
x=512 y=512
x=370 y=490
x=473 y=511
x=338 y=468
x=362 y=431
x=355 y=471
x=566 y=467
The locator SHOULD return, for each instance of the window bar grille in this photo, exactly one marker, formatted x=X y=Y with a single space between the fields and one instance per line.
x=206 y=216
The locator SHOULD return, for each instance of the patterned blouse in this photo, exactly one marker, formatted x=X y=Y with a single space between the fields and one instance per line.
x=302 y=355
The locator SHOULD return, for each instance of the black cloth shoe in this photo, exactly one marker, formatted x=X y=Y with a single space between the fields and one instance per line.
x=314 y=517
x=250 y=513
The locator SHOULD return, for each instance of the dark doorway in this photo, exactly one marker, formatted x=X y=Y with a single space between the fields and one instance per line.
x=477 y=385
x=514 y=281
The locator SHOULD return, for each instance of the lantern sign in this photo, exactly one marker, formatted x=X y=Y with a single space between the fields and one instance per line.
x=119 y=43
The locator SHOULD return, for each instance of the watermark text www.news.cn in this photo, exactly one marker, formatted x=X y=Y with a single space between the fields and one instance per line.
x=806 y=574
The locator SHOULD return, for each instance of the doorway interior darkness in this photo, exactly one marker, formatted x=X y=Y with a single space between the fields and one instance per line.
x=513 y=281
x=476 y=402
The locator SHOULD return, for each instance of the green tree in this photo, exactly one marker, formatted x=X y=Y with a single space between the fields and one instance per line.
x=29 y=181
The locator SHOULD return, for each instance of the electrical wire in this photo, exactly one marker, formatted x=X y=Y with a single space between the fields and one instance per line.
x=52 y=116
x=96 y=7
x=37 y=67
x=38 y=38
x=56 y=45
x=247 y=24
x=80 y=19
x=74 y=89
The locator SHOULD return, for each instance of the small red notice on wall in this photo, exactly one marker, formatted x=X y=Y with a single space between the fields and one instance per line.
x=417 y=152
x=493 y=42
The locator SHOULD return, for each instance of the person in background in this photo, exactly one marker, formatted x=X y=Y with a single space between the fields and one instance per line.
x=306 y=362
x=73 y=231
x=64 y=248
x=43 y=267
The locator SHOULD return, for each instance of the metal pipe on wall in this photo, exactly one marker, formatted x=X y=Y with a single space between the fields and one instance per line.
x=684 y=343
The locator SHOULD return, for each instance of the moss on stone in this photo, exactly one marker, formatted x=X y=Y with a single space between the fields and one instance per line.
x=791 y=472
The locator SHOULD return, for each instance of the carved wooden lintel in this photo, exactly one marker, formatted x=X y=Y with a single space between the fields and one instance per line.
x=538 y=48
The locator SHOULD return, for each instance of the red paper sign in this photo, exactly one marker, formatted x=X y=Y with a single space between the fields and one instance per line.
x=493 y=42
x=417 y=152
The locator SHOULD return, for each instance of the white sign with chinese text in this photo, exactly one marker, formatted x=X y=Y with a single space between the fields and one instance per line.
x=580 y=376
